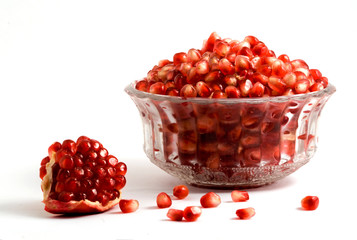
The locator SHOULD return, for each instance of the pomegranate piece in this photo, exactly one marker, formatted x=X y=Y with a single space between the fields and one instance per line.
x=239 y=196
x=128 y=205
x=192 y=213
x=310 y=203
x=80 y=177
x=210 y=200
x=175 y=214
x=245 y=213
x=163 y=200
x=180 y=191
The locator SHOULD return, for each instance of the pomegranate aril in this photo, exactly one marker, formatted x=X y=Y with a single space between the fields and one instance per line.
x=225 y=66
x=157 y=88
x=210 y=200
x=202 y=67
x=203 y=90
x=193 y=55
x=221 y=48
x=257 y=90
x=188 y=91
x=242 y=63
x=251 y=40
x=180 y=191
x=316 y=87
x=175 y=214
x=212 y=76
x=232 y=92
x=278 y=69
x=66 y=196
x=128 y=205
x=239 y=196
x=180 y=57
x=285 y=58
x=66 y=162
x=301 y=86
x=245 y=87
x=218 y=94
x=310 y=203
x=192 y=213
x=260 y=49
x=276 y=84
x=163 y=200
x=245 y=213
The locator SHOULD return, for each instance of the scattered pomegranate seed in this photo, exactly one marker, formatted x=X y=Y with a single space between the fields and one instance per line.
x=310 y=203
x=128 y=206
x=180 y=191
x=210 y=200
x=192 y=213
x=239 y=196
x=163 y=200
x=175 y=214
x=245 y=213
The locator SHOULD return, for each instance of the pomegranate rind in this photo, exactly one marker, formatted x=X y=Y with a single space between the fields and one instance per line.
x=71 y=207
x=77 y=207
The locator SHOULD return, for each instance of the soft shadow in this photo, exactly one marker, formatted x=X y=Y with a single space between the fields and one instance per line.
x=30 y=208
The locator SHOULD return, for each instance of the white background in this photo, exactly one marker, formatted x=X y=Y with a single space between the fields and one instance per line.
x=63 y=68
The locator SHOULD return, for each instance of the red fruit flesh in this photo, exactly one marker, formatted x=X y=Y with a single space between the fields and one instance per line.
x=192 y=213
x=245 y=213
x=239 y=196
x=128 y=205
x=175 y=214
x=310 y=203
x=180 y=191
x=80 y=177
x=163 y=200
x=210 y=200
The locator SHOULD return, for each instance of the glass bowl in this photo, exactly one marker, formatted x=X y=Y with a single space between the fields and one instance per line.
x=230 y=143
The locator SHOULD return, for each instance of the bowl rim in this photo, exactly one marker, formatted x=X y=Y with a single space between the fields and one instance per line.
x=132 y=91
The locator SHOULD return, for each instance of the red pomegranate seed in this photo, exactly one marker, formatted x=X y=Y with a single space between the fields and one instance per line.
x=163 y=200
x=301 y=86
x=210 y=200
x=218 y=94
x=242 y=63
x=157 y=88
x=260 y=49
x=290 y=79
x=203 y=90
x=180 y=81
x=316 y=74
x=257 y=90
x=188 y=91
x=193 y=55
x=251 y=40
x=128 y=205
x=175 y=214
x=232 y=92
x=285 y=58
x=212 y=76
x=172 y=92
x=225 y=66
x=316 y=87
x=209 y=44
x=245 y=213
x=278 y=69
x=245 y=87
x=276 y=84
x=310 y=203
x=202 y=67
x=192 y=213
x=163 y=62
x=239 y=196
x=221 y=48
x=180 y=57
x=180 y=191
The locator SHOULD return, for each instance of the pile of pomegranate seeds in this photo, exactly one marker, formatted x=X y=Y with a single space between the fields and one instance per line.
x=226 y=68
